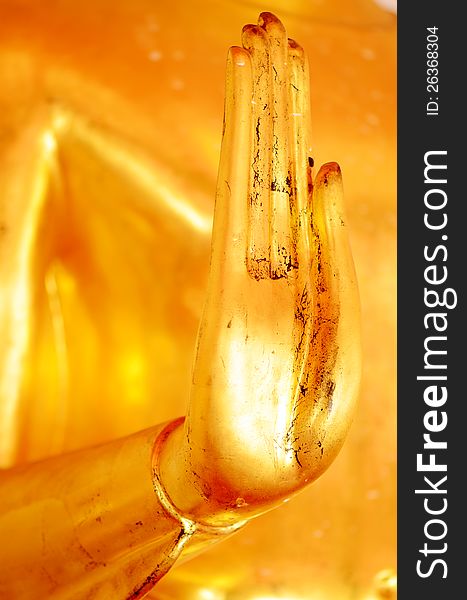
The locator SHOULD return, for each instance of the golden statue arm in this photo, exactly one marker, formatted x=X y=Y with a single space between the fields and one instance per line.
x=86 y=525
x=92 y=524
x=274 y=383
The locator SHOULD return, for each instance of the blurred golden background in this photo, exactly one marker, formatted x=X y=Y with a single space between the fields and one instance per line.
x=110 y=130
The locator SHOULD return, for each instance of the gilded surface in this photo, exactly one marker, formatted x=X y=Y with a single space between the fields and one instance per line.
x=110 y=129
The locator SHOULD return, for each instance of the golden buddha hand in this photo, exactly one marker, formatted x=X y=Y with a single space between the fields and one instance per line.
x=278 y=358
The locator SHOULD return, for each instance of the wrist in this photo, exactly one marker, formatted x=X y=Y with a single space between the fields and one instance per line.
x=184 y=492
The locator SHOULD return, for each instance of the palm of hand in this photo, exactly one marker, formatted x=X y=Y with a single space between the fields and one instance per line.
x=277 y=367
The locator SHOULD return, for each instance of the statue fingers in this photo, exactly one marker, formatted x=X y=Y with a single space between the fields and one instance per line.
x=230 y=215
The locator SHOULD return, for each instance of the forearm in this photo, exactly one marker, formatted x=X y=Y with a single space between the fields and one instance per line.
x=89 y=524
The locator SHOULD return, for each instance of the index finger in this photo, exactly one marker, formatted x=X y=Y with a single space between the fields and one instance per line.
x=230 y=214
